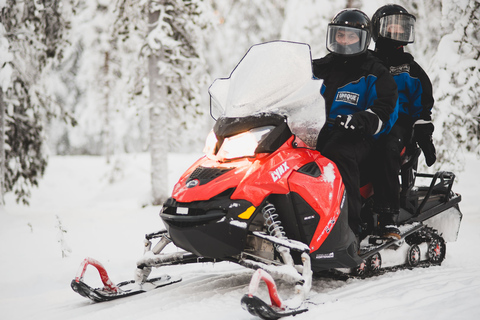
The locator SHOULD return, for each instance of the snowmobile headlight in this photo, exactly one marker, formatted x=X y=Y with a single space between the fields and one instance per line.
x=210 y=144
x=243 y=144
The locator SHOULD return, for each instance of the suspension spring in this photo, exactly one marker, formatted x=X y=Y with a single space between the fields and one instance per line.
x=273 y=225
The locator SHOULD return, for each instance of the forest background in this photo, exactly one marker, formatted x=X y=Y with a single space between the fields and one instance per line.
x=107 y=78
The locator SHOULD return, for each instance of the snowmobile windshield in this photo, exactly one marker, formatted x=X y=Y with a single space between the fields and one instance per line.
x=399 y=27
x=274 y=77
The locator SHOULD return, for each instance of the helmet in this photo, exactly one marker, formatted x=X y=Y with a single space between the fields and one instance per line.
x=349 y=33
x=393 y=22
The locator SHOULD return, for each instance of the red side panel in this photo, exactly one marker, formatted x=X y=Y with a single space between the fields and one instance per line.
x=324 y=194
x=270 y=175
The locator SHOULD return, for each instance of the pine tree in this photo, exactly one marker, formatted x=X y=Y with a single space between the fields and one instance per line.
x=32 y=31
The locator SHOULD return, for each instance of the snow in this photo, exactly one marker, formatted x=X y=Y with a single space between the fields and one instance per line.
x=86 y=208
x=328 y=173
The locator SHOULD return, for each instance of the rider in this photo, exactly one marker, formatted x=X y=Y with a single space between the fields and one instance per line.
x=393 y=28
x=360 y=94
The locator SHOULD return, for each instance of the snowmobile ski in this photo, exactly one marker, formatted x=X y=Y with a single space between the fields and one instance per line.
x=126 y=288
x=111 y=291
x=257 y=307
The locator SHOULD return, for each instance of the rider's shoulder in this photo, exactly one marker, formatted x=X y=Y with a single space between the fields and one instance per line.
x=324 y=60
x=373 y=63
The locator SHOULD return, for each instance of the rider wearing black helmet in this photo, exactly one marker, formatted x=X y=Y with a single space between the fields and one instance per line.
x=349 y=33
x=393 y=28
x=360 y=94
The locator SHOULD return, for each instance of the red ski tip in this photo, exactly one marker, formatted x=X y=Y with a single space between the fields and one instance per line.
x=109 y=286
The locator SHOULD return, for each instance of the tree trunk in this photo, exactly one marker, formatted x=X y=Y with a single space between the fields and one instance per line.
x=107 y=131
x=2 y=148
x=158 y=114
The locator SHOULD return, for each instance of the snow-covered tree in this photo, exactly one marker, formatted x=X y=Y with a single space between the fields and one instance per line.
x=92 y=82
x=239 y=24
x=428 y=31
x=175 y=44
x=456 y=79
x=308 y=22
x=174 y=73
x=31 y=33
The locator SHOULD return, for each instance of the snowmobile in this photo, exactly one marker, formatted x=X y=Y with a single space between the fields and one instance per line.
x=263 y=198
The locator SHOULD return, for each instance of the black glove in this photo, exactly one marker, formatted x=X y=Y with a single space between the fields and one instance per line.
x=349 y=123
x=363 y=122
x=422 y=133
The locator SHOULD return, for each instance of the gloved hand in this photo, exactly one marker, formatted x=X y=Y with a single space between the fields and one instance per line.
x=362 y=122
x=351 y=123
x=422 y=133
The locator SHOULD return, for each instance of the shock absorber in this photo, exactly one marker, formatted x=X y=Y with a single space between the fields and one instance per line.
x=275 y=229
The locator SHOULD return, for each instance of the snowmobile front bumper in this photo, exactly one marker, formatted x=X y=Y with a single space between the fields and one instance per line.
x=211 y=235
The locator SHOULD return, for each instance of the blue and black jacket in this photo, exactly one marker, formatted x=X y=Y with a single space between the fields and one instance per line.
x=414 y=87
x=359 y=84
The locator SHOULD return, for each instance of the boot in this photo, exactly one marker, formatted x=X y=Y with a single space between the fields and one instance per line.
x=388 y=223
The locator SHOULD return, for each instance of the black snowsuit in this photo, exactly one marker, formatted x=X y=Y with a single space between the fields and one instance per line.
x=415 y=103
x=352 y=86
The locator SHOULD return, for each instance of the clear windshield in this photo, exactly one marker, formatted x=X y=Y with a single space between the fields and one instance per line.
x=273 y=77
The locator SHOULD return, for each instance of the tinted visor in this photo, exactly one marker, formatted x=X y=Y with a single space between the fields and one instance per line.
x=346 y=40
x=399 y=27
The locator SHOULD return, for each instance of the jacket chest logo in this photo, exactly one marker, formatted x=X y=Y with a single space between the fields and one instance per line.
x=347 y=97
x=400 y=69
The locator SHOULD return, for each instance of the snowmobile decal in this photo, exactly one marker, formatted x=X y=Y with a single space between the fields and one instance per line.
x=325 y=256
x=247 y=213
x=279 y=172
x=327 y=229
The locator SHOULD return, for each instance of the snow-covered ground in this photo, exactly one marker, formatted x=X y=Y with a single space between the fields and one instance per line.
x=85 y=207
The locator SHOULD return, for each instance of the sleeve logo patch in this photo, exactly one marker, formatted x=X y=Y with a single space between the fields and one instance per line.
x=403 y=68
x=347 y=97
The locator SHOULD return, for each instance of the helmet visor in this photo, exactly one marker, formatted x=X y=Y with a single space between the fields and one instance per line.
x=399 y=27
x=347 y=40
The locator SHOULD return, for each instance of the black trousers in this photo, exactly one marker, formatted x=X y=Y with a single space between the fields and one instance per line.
x=348 y=151
x=386 y=162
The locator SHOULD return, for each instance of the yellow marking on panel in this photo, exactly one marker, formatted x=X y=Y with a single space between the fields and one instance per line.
x=247 y=213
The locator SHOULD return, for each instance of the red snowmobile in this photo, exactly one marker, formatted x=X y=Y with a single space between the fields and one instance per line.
x=263 y=198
